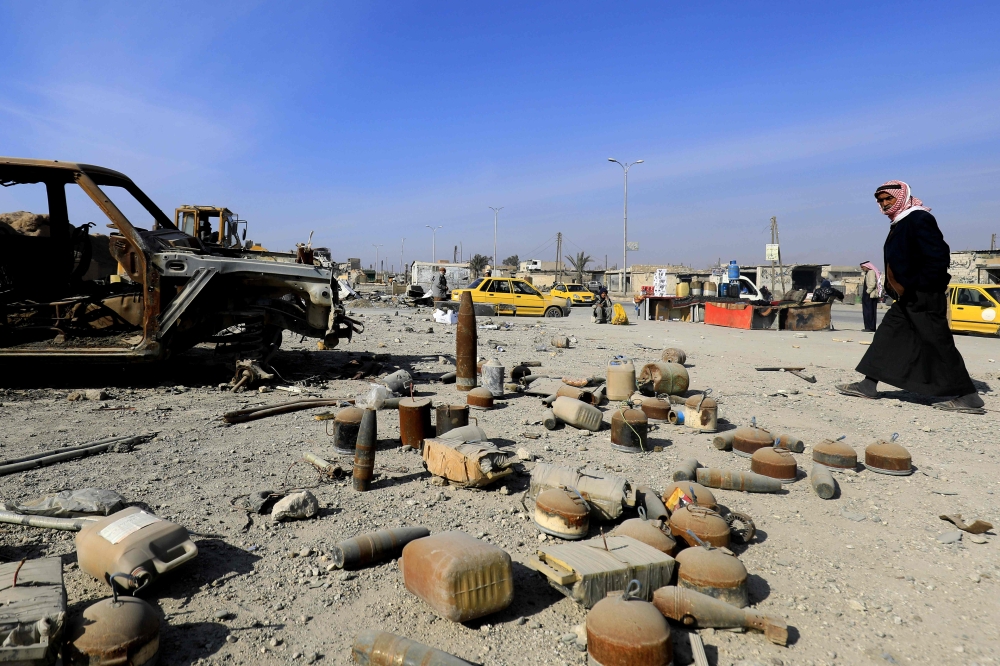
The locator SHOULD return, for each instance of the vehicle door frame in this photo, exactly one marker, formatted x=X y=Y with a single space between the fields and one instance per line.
x=526 y=303
x=963 y=313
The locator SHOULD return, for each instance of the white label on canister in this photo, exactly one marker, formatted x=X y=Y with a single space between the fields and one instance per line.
x=122 y=527
x=989 y=314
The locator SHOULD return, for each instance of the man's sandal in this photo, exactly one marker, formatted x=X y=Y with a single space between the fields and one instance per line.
x=855 y=390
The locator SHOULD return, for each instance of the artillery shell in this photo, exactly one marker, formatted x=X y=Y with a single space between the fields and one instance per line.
x=364 y=452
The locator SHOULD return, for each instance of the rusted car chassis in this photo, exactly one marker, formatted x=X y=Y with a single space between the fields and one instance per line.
x=168 y=292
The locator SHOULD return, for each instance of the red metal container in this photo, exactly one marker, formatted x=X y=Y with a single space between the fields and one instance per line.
x=414 y=421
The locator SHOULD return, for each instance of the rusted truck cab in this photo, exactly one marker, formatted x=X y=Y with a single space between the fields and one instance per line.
x=145 y=290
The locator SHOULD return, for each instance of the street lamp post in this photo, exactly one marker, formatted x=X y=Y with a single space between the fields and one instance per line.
x=434 y=257
x=496 y=213
x=376 y=260
x=402 y=266
x=625 y=167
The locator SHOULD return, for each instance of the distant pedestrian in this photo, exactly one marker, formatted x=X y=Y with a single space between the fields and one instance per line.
x=439 y=289
x=914 y=349
x=637 y=300
x=603 y=308
x=871 y=294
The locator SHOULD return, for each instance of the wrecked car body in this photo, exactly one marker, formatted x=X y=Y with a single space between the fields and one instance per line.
x=138 y=294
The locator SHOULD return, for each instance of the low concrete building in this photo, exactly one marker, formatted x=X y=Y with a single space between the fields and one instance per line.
x=975 y=266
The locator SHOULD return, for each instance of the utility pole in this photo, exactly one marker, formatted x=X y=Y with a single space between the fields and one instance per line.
x=376 y=260
x=454 y=255
x=625 y=167
x=402 y=266
x=558 y=257
x=496 y=213
x=993 y=243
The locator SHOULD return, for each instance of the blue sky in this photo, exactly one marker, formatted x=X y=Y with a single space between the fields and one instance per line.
x=367 y=121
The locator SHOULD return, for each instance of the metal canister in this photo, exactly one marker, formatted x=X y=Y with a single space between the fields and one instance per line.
x=414 y=421
x=629 y=428
x=706 y=524
x=493 y=372
x=747 y=440
x=702 y=495
x=661 y=377
x=449 y=417
x=375 y=546
x=623 y=630
x=696 y=287
x=562 y=513
x=120 y=630
x=888 y=458
x=776 y=463
x=655 y=408
x=364 y=452
x=480 y=398
x=465 y=344
x=715 y=573
x=345 y=430
x=701 y=413
x=835 y=454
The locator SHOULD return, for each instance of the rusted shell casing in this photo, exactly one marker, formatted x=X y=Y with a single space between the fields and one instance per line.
x=776 y=463
x=655 y=409
x=790 y=442
x=414 y=421
x=126 y=631
x=374 y=547
x=624 y=632
x=701 y=413
x=686 y=470
x=747 y=440
x=888 y=458
x=480 y=398
x=730 y=480
x=706 y=524
x=702 y=495
x=562 y=513
x=449 y=417
x=346 y=424
x=460 y=577
x=822 y=482
x=836 y=455
x=714 y=573
x=576 y=393
x=674 y=355
x=380 y=648
x=628 y=430
x=364 y=452
x=661 y=377
x=695 y=609
x=724 y=440
x=465 y=344
x=647 y=532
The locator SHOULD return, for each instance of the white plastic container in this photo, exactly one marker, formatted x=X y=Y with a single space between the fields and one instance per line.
x=620 y=379
x=577 y=414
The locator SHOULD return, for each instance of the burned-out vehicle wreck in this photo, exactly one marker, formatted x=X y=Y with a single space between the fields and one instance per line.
x=145 y=291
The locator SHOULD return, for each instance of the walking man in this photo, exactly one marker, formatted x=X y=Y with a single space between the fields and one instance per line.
x=913 y=349
x=871 y=293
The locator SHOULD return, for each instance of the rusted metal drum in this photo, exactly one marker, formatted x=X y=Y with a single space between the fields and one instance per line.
x=647 y=532
x=480 y=398
x=629 y=428
x=622 y=631
x=702 y=495
x=345 y=430
x=449 y=417
x=414 y=421
x=747 y=440
x=701 y=413
x=706 y=524
x=776 y=463
x=562 y=513
x=888 y=458
x=121 y=630
x=835 y=455
x=655 y=408
x=715 y=573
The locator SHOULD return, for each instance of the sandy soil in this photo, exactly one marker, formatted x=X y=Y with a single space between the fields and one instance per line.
x=861 y=579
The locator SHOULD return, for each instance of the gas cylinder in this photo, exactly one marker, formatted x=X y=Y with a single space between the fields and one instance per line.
x=414 y=421
x=706 y=524
x=577 y=414
x=623 y=630
x=747 y=440
x=345 y=430
x=133 y=542
x=713 y=572
x=493 y=373
x=449 y=417
x=835 y=454
x=628 y=430
x=701 y=413
x=562 y=513
x=776 y=463
x=620 y=378
x=120 y=630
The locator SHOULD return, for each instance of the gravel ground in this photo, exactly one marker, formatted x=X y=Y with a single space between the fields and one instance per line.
x=860 y=579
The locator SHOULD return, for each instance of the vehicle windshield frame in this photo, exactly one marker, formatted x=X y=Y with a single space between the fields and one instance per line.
x=475 y=283
x=993 y=292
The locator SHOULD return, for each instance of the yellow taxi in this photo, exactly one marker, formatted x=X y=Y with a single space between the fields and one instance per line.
x=973 y=308
x=576 y=294
x=513 y=296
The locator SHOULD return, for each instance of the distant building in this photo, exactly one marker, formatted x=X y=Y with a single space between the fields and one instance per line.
x=975 y=266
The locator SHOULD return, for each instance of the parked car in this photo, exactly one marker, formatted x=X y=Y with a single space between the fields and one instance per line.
x=972 y=308
x=594 y=286
x=514 y=296
x=576 y=294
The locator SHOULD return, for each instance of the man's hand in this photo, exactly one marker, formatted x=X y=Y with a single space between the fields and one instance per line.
x=896 y=287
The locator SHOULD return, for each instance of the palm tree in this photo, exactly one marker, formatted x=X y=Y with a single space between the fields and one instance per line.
x=579 y=264
x=478 y=263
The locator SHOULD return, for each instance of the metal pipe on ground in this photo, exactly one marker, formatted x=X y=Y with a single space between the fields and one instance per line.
x=46 y=522
x=254 y=413
x=59 y=455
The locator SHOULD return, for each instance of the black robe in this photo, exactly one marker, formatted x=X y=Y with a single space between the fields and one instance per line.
x=913 y=348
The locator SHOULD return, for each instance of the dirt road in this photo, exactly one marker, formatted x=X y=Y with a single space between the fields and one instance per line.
x=862 y=578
